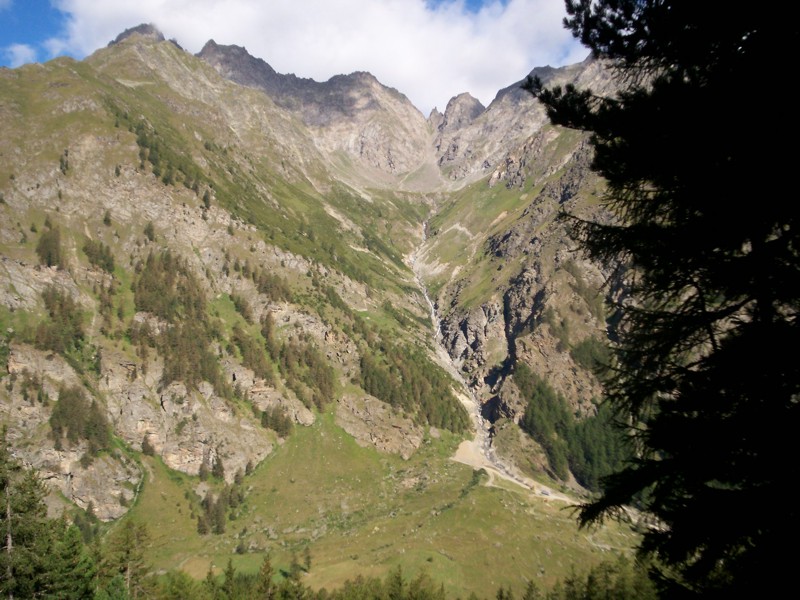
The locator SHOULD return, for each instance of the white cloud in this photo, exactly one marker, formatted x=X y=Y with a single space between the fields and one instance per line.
x=429 y=54
x=19 y=54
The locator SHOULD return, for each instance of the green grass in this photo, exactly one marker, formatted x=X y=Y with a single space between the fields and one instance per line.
x=362 y=512
x=473 y=210
x=222 y=307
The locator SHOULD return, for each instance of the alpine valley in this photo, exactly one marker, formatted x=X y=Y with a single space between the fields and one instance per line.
x=259 y=313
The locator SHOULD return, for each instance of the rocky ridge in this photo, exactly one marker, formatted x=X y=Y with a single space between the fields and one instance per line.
x=353 y=115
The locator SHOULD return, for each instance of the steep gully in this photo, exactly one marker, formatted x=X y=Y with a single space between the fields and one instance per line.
x=478 y=452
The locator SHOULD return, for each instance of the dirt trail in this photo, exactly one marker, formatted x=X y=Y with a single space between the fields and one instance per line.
x=478 y=453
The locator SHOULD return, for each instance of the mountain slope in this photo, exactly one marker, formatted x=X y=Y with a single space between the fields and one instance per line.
x=368 y=131
x=192 y=270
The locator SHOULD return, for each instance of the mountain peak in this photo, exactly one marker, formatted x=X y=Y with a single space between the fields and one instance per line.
x=212 y=51
x=147 y=30
x=460 y=111
x=236 y=63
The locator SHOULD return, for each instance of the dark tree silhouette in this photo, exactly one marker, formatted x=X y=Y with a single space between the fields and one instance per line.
x=706 y=241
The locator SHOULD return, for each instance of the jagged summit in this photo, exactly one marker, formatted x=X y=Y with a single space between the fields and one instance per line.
x=378 y=128
x=588 y=73
x=318 y=102
x=237 y=64
x=461 y=111
x=355 y=114
x=145 y=29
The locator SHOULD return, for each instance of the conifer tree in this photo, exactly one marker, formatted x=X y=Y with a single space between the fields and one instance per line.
x=178 y=585
x=71 y=568
x=265 y=587
x=229 y=581
x=706 y=241
x=48 y=248
x=40 y=557
x=532 y=592
x=395 y=584
x=124 y=555
x=26 y=533
x=217 y=466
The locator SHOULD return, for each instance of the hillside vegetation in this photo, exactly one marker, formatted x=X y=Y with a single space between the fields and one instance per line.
x=226 y=334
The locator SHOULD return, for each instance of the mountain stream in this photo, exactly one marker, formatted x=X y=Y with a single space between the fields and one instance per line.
x=478 y=452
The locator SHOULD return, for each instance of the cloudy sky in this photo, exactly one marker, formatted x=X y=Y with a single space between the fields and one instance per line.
x=431 y=50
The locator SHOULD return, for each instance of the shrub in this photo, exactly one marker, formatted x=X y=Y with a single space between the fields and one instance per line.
x=147 y=446
x=49 y=248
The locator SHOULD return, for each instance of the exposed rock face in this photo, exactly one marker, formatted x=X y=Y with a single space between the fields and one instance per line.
x=473 y=341
x=461 y=111
x=375 y=423
x=235 y=63
x=265 y=398
x=478 y=143
x=146 y=30
x=185 y=427
x=435 y=119
x=108 y=482
x=474 y=141
x=372 y=124
x=512 y=169
x=24 y=283
x=512 y=325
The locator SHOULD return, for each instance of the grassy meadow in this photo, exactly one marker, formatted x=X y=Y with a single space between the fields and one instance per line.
x=353 y=511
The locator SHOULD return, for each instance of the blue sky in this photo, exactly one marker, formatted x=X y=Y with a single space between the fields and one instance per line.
x=431 y=50
x=26 y=24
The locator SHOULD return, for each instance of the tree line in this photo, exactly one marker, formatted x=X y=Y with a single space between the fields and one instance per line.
x=590 y=448
x=403 y=376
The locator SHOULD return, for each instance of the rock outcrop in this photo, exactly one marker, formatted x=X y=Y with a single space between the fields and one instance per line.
x=375 y=423
x=108 y=482
x=146 y=30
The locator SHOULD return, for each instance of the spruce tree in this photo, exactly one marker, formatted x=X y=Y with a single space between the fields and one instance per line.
x=229 y=580
x=25 y=536
x=48 y=248
x=705 y=238
x=217 y=466
x=124 y=556
x=71 y=569
x=178 y=585
x=29 y=538
x=265 y=587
